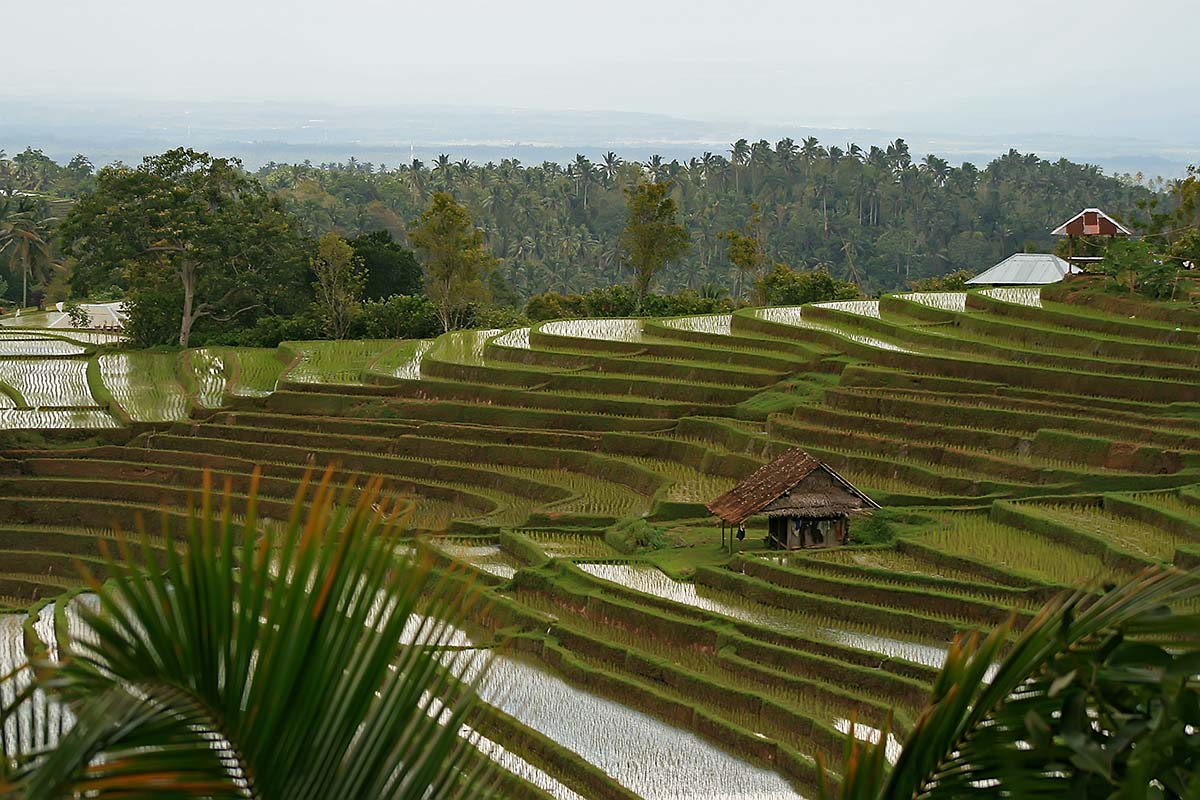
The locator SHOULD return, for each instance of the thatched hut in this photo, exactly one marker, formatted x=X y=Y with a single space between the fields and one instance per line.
x=807 y=503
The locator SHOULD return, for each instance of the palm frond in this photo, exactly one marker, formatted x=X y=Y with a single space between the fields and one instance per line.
x=262 y=660
x=1093 y=699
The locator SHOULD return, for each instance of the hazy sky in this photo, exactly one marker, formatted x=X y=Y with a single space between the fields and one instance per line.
x=1090 y=66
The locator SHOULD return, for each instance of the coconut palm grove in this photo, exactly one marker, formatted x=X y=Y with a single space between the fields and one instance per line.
x=791 y=469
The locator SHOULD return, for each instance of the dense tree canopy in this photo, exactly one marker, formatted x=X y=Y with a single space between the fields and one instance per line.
x=190 y=237
x=874 y=213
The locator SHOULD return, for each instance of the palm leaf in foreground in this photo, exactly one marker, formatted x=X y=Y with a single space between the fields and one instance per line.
x=259 y=661
x=1096 y=698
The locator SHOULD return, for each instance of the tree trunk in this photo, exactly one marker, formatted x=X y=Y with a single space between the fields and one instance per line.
x=188 y=276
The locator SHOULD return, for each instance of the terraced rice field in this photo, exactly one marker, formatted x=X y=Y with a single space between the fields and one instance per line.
x=403 y=361
x=1021 y=295
x=255 y=371
x=145 y=385
x=1017 y=551
x=793 y=316
x=335 y=362
x=956 y=435
x=1122 y=532
x=48 y=382
x=39 y=348
x=863 y=308
x=517 y=338
x=719 y=324
x=211 y=374
x=946 y=301
x=613 y=330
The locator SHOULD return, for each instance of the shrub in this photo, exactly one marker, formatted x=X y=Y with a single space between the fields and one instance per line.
x=786 y=287
x=875 y=529
x=397 y=317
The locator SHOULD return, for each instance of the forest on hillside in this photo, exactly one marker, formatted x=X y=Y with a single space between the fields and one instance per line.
x=874 y=216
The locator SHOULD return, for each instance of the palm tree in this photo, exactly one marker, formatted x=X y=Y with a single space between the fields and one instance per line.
x=442 y=167
x=24 y=240
x=1093 y=699
x=608 y=170
x=259 y=660
x=739 y=154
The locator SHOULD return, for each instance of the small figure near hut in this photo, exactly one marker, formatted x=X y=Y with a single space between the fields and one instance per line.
x=806 y=502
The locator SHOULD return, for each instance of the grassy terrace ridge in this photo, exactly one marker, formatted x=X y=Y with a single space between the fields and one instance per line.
x=564 y=466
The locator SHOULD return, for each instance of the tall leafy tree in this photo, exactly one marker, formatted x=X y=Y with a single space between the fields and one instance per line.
x=455 y=261
x=653 y=235
x=189 y=229
x=339 y=283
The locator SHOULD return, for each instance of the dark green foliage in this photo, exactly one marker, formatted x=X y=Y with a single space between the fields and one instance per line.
x=903 y=220
x=192 y=226
x=954 y=282
x=632 y=535
x=783 y=286
x=874 y=529
x=392 y=268
x=653 y=236
x=621 y=301
x=397 y=317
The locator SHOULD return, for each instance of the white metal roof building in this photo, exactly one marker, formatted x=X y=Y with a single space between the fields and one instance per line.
x=1025 y=269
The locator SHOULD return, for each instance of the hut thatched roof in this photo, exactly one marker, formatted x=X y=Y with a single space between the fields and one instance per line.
x=769 y=491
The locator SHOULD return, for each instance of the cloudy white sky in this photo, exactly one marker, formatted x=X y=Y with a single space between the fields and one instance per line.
x=1123 y=69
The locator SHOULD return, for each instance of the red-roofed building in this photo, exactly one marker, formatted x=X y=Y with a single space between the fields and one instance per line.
x=1083 y=231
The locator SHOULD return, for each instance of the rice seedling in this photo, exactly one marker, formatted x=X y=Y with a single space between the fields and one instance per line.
x=1124 y=532
x=38 y=347
x=614 y=330
x=251 y=371
x=878 y=558
x=946 y=301
x=404 y=360
x=144 y=384
x=517 y=339
x=1171 y=503
x=488 y=558
x=336 y=361
x=688 y=484
x=863 y=308
x=1016 y=550
x=562 y=545
x=210 y=373
x=720 y=324
x=1021 y=295
x=56 y=419
x=519 y=766
x=48 y=382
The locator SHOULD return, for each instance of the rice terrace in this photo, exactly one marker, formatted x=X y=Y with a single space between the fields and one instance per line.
x=1017 y=440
